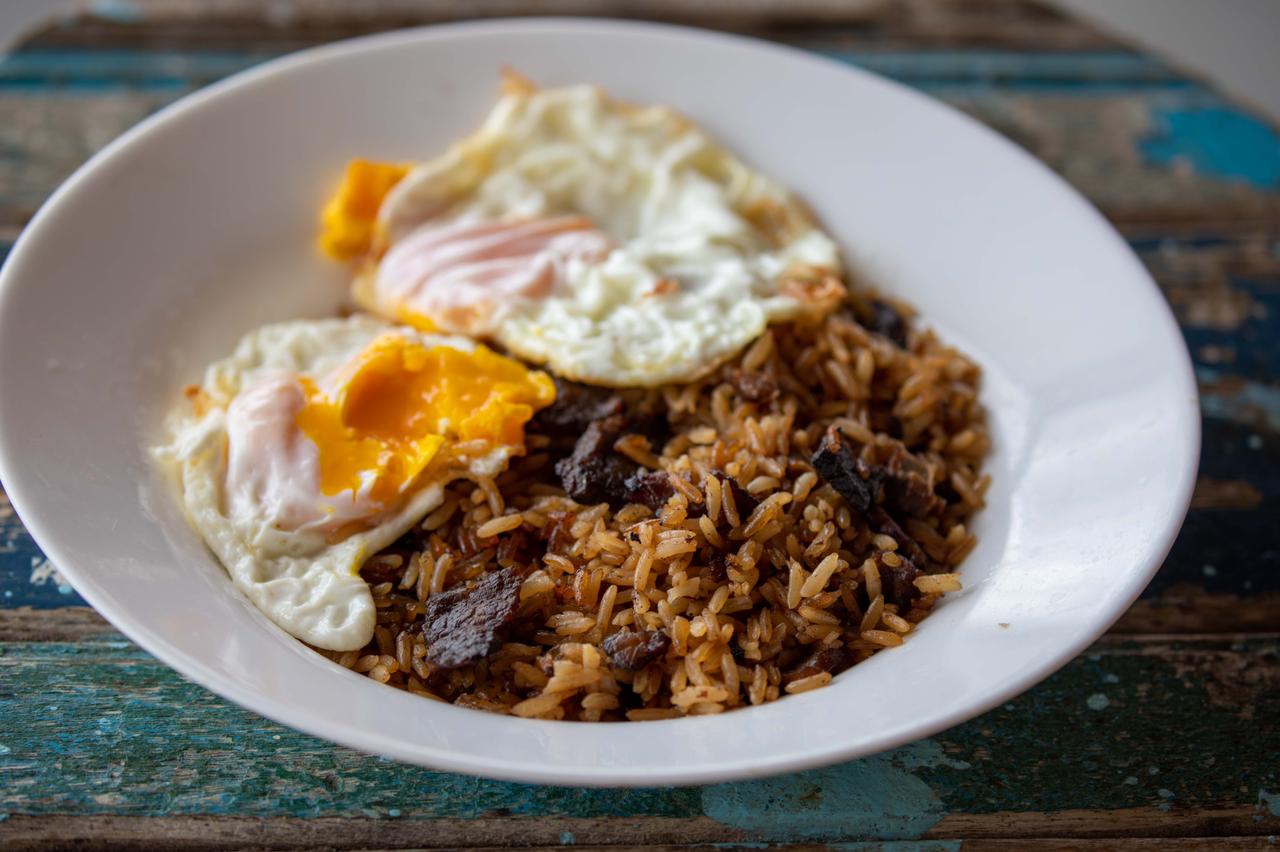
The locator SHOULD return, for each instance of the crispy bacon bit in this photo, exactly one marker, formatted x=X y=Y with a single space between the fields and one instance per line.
x=632 y=651
x=463 y=625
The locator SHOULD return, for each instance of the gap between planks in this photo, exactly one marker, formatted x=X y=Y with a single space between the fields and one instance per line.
x=1140 y=828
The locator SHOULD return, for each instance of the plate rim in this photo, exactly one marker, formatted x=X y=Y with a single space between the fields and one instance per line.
x=437 y=757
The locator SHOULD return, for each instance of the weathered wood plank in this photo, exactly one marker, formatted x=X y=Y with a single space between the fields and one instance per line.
x=219 y=833
x=116 y=733
x=1146 y=154
x=295 y=23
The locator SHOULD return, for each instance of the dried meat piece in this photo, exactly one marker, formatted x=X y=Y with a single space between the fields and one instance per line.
x=886 y=320
x=633 y=650
x=755 y=386
x=907 y=491
x=897 y=582
x=649 y=488
x=465 y=624
x=743 y=501
x=576 y=406
x=594 y=473
x=882 y=523
x=852 y=478
x=828 y=658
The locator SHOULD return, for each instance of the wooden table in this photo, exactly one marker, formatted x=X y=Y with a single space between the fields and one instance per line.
x=1165 y=733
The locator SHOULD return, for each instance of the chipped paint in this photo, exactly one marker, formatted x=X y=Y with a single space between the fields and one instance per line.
x=1238 y=399
x=119 y=11
x=1219 y=141
x=1098 y=701
x=1271 y=801
x=42 y=571
x=881 y=796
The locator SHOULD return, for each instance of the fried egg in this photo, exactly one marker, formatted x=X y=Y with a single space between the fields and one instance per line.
x=318 y=443
x=618 y=245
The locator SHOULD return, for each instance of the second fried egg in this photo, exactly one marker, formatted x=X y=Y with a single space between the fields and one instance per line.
x=318 y=443
x=619 y=245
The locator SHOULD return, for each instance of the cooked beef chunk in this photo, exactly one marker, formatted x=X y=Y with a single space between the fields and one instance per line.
x=575 y=407
x=898 y=583
x=632 y=651
x=881 y=522
x=886 y=320
x=754 y=386
x=651 y=488
x=908 y=494
x=594 y=473
x=828 y=658
x=463 y=625
x=856 y=481
x=906 y=491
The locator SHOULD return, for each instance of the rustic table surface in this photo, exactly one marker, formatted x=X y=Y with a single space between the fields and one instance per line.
x=1164 y=734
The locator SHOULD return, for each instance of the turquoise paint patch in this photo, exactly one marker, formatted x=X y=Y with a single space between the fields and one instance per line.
x=1218 y=141
x=1271 y=800
x=120 y=11
x=900 y=846
x=878 y=797
x=1098 y=701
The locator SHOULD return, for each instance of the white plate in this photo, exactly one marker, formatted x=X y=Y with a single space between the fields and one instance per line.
x=199 y=225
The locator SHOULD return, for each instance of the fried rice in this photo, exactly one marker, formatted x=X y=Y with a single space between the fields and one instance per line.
x=751 y=576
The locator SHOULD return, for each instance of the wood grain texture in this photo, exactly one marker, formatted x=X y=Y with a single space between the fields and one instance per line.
x=114 y=732
x=1148 y=741
x=289 y=24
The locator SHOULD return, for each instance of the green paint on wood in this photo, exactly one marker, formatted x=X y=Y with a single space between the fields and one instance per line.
x=881 y=796
x=99 y=727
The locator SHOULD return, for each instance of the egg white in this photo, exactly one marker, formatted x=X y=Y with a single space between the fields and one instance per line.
x=677 y=206
x=307 y=585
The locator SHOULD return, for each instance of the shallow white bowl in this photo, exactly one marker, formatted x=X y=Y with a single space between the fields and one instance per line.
x=199 y=225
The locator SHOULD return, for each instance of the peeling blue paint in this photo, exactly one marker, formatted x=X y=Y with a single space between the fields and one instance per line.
x=900 y=846
x=1270 y=800
x=877 y=797
x=1216 y=141
x=1097 y=701
x=120 y=11
x=1244 y=404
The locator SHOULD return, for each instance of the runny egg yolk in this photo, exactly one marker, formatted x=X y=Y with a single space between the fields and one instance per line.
x=350 y=217
x=399 y=405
